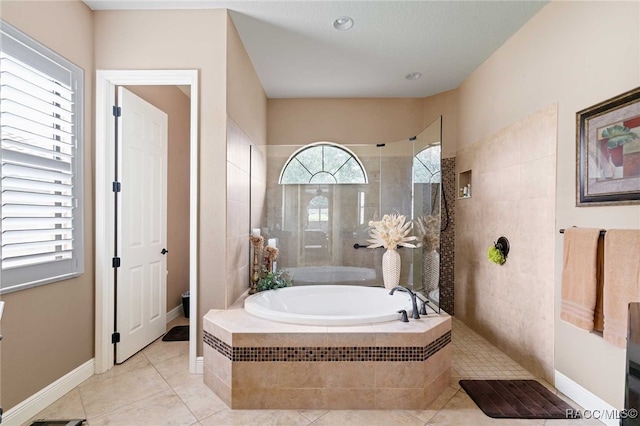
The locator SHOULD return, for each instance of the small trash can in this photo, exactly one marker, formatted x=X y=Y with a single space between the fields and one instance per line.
x=185 y=304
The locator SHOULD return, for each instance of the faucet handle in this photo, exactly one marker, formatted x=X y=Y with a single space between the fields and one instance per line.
x=403 y=315
x=423 y=309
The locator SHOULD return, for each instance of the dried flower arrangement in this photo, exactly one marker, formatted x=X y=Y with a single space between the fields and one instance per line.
x=390 y=232
x=429 y=232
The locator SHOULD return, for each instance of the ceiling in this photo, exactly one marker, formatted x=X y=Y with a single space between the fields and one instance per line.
x=298 y=54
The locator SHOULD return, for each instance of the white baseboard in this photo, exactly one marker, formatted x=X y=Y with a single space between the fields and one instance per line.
x=47 y=396
x=584 y=398
x=174 y=313
x=200 y=365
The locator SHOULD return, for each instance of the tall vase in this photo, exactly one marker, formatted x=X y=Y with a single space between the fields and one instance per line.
x=391 y=268
x=431 y=271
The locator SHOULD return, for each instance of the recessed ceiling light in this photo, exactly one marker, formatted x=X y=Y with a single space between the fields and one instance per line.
x=343 y=23
x=413 y=75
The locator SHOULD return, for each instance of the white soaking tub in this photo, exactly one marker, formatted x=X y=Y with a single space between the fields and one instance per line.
x=327 y=305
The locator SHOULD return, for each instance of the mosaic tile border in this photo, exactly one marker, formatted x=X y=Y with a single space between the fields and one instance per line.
x=332 y=354
x=447 y=238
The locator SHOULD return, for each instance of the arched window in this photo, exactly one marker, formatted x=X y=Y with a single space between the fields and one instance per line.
x=426 y=165
x=323 y=163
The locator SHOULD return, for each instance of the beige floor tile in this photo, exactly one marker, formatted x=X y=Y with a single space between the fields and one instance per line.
x=175 y=370
x=313 y=415
x=133 y=364
x=368 y=417
x=437 y=405
x=230 y=417
x=164 y=408
x=461 y=410
x=160 y=351
x=574 y=422
x=67 y=407
x=198 y=398
x=123 y=389
x=181 y=320
x=154 y=387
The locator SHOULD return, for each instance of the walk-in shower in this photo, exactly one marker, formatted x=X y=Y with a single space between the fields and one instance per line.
x=320 y=198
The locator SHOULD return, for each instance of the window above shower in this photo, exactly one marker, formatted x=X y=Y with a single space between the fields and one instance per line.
x=323 y=163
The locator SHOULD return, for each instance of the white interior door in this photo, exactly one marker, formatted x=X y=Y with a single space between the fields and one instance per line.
x=142 y=231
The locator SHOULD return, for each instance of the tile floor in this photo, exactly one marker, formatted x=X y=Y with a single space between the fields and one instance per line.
x=155 y=388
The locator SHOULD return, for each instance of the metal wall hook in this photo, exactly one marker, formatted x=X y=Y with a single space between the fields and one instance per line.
x=503 y=245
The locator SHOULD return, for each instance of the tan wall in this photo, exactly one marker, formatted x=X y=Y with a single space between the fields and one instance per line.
x=184 y=39
x=343 y=121
x=361 y=121
x=176 y=105
x=48 y=330
x=246 y=162
x=557 y=57
x=446 y=105
x=512 y=195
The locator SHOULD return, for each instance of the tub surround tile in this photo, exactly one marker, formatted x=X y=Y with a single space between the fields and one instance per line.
x=399 y=333
x=298 y=374
x=349 y=398
x=278 y=399
x=285 y=366
x=254 y=375
x=324 y=353
x=217 y=363
x=364 y=335
x=199 y=398
x=400 y=398
x=221 y=389
x=315 y=336
x=354 y=375
x=410 y=374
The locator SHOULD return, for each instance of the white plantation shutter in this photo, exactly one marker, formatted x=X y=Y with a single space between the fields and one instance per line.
x=40 y=127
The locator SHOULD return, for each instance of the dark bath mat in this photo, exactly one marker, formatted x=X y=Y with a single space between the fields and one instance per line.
x=179 y=333
x=516 y=399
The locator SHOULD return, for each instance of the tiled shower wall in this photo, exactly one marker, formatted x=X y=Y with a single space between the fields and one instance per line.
x=512 y=195
x=447 y=236
x=245 y=168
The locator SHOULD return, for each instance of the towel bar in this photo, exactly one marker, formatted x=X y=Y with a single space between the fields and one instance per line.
x=602 y=232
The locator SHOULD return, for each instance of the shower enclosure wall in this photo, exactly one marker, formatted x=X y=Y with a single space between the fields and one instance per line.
x=322 y=225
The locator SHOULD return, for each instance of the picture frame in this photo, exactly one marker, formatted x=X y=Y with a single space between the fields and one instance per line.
x=608 y=152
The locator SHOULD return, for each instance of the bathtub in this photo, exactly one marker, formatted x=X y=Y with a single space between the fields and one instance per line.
x=328 y=305
x=350 y=275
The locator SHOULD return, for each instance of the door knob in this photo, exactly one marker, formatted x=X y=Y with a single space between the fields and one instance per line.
x=164 y=251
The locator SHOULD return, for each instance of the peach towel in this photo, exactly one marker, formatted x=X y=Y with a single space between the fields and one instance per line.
x=621 y=281
x=598 y=318
x=579 y=277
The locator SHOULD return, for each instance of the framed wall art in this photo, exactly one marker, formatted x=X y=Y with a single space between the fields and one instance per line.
x=608 y=149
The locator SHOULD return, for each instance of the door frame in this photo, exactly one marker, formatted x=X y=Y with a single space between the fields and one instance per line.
x=106 y=82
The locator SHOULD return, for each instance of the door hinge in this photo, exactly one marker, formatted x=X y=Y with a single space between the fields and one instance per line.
x=115 y=262
x=117 y=111
x=117 y=186
x=115 y=337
